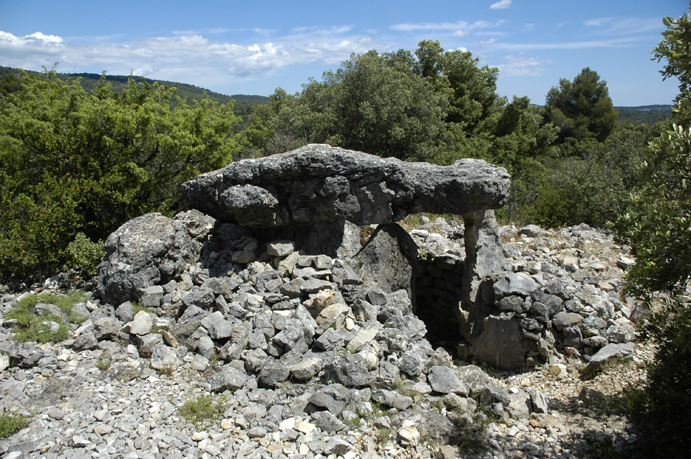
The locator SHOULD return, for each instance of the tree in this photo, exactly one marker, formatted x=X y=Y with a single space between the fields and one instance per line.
x=383 y=107
x=471 y=89
x=658 y=225
x=581 y=109
x=374 y=102
x=675 y=48
x=73 y=161
x=658 y=228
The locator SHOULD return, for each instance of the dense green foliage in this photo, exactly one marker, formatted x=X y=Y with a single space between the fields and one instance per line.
x=11 y=423
x=658 y=228
x=675 y=49
x=83 y=254
x=648 y=114
x=242 y=104
x=582 y=109
x=658 y=224
x=74 y=161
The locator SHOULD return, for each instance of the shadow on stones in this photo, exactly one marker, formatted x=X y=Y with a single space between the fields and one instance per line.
x=438 y=294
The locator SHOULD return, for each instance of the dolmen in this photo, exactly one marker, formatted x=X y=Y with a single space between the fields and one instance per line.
x=320 y=183
x=321 y=223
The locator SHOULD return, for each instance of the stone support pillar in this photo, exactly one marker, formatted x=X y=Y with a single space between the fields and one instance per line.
x=484 y=256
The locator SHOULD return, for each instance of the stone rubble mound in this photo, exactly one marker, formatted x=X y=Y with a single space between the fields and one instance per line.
x=562 y=294
x=323 y=334
x=316 y=358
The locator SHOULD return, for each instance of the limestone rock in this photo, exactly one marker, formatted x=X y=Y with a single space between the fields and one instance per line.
x=146 y=251
x=445 y=381
x=498 y=340
x=141 y=324
x=228 y=378
x=388 y=260
x=333 y=398
x=319 y=183
x=164 y=358
x=521 y=284
x=607 y=354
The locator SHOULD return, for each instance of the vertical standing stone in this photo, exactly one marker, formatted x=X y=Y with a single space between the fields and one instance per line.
x=484 y=256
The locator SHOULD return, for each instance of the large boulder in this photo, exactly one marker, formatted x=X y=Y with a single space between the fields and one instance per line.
x=149 y=250
x=320 y=183
x=498 y=341
x=388 y=260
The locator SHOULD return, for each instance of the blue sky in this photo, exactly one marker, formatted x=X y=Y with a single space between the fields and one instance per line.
x=255 y=46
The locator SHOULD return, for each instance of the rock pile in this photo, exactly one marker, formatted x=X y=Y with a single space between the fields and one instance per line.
x=307 y=371
x=325 y=335
x=562 y=294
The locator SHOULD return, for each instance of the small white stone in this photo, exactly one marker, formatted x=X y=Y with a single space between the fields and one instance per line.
x=199 y=436
x=227 y=424
x=304 y=427
x=409 y=432
x=287 y=424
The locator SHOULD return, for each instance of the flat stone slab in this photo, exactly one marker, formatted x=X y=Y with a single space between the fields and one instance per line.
x=320 y=183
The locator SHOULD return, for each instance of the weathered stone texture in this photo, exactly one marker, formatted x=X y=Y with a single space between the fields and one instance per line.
x=320 y=183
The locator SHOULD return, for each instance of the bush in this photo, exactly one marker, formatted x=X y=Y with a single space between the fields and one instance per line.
x=11 y=423
x=84 y=254
x=662 y=408
x=203 y=410
x=658 y=227
x=574 y=191
x=73 y=161
x=658 y=224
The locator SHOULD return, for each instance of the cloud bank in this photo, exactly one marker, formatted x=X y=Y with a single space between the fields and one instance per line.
x=186 y=56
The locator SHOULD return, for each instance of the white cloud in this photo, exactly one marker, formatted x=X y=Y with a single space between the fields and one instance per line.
x=38 y=36
x=611 y=43
x=521 y=66
x=625 y=26
x=187 y=57
x=34 y=39
x=408 y=27
x=462 y=27
x=500 y=5
x=488 y=42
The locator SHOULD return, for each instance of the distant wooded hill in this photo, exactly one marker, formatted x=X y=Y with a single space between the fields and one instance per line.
x=244 y=104
x=650 y=114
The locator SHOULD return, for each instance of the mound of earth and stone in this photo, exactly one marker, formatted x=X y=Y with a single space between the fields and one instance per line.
x=328 y=339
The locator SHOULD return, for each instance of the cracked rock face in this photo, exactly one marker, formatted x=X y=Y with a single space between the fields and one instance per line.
x=320 y=183
x=149 y=250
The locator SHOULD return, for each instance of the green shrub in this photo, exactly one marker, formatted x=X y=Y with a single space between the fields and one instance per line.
x=32 y=326
x=662 y=408
x=73 y=161
x=203 y=410
x=84 y=254
x=658 y=228
x=138 y=307
x=11 y=423
x=104 y=364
